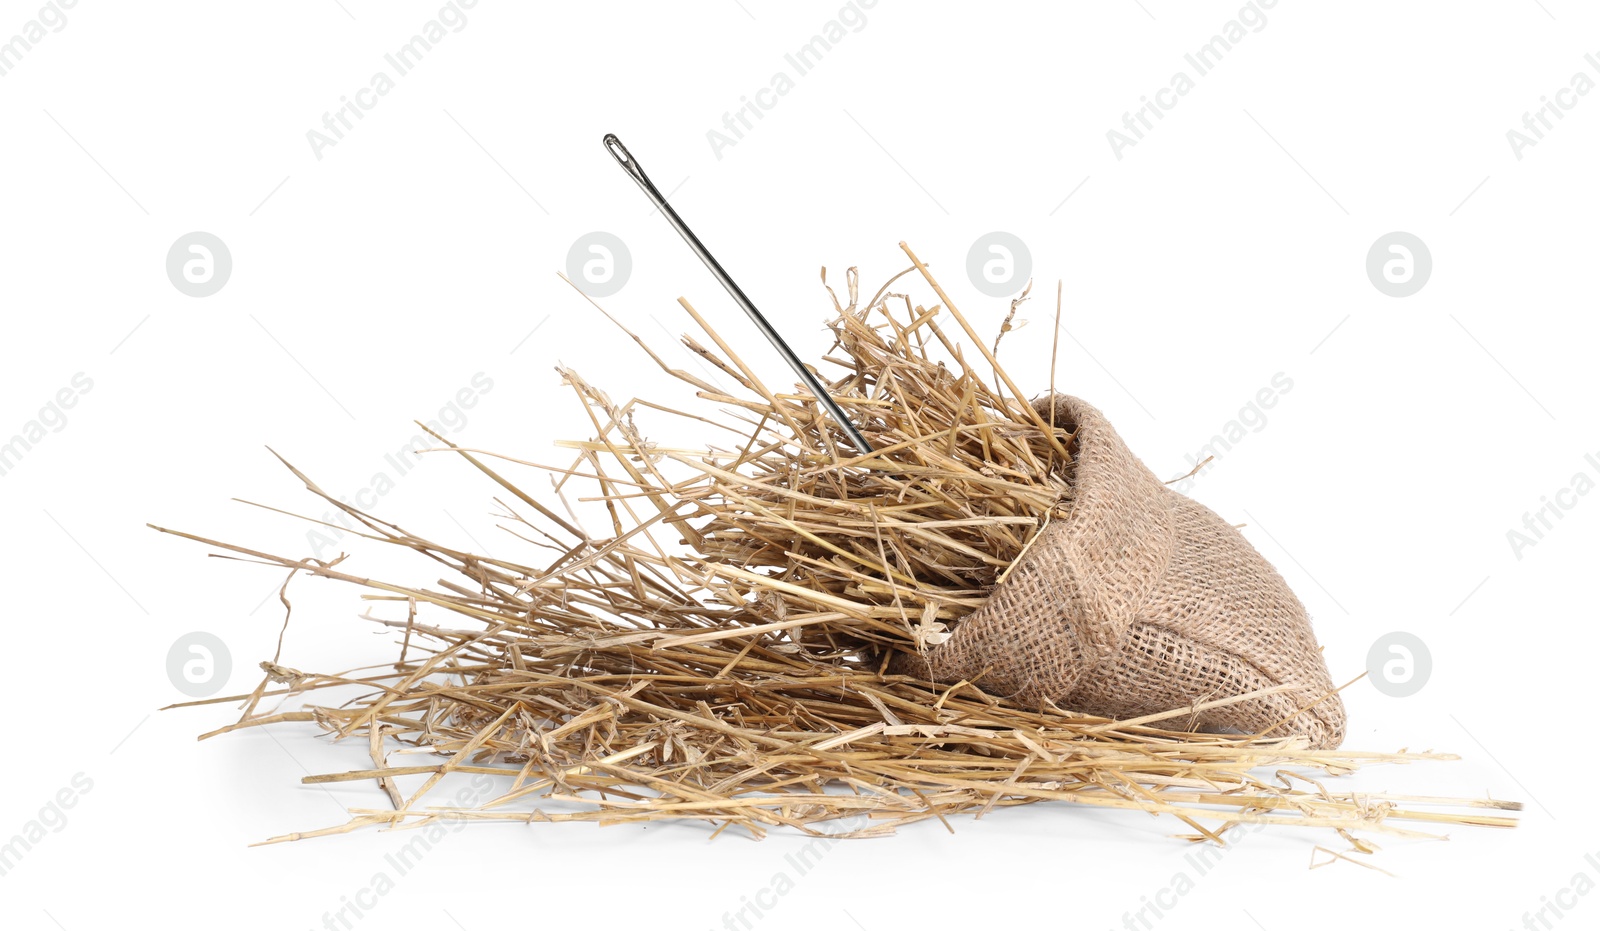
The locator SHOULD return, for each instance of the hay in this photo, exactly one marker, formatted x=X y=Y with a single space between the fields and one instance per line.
x=720 y=654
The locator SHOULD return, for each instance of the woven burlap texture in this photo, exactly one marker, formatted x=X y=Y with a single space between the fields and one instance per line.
x=1138 y=600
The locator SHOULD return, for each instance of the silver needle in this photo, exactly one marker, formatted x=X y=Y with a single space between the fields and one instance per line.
x=631 y=166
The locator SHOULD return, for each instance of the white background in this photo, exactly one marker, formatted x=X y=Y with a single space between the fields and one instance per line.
x=372 y=284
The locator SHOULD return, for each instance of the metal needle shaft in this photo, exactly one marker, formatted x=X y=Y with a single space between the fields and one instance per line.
x=631 y=166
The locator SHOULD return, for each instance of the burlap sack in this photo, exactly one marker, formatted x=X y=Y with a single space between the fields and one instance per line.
x=1140 y=600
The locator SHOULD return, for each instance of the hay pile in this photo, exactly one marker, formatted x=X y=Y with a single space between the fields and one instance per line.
x=721 y=652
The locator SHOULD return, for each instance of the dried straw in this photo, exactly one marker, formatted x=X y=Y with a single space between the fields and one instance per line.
x=720 y=653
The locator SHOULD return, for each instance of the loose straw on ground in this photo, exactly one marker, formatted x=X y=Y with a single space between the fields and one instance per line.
x=718 y=654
